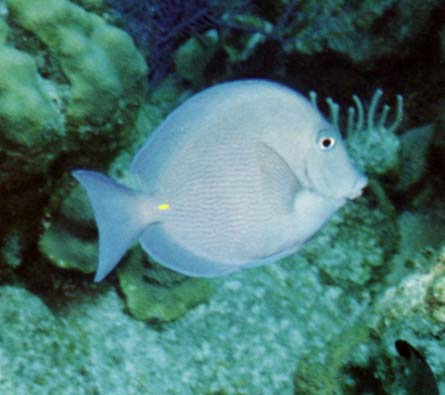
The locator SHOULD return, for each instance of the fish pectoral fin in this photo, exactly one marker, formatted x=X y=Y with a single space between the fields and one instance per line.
x=280 y=184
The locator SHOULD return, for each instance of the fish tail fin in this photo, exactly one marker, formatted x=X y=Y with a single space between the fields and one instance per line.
x=121 y=215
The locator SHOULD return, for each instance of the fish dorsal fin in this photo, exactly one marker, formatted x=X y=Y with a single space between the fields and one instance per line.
x=280 y=184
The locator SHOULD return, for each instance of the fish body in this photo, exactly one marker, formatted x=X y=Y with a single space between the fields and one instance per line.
x=239 y=175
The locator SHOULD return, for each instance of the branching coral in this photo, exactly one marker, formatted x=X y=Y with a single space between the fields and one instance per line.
x=374 y=143
x=377 y=143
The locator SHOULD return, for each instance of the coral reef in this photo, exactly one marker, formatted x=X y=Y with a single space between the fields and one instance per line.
x=375 y=144
x=160 y=27
x=29 y=116
x=71 y=88
x=324 y=321
x=407 y=298
x=408 y=293
x=363 y=356
x=69 y=239
x=192 y=58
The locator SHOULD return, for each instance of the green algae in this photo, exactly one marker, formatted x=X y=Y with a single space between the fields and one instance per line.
x=157 y=294
x=66 y=250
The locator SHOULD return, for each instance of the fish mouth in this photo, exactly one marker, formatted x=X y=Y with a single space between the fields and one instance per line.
x=357 y=188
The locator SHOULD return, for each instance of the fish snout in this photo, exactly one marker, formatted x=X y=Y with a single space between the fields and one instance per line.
x=357 y=188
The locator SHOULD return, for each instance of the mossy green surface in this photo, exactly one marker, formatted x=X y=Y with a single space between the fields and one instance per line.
x=154 y=293
x=68 y=251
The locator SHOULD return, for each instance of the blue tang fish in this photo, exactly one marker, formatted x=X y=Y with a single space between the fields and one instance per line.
x=239 y=175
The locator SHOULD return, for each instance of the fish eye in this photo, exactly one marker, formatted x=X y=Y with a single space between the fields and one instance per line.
x=326 y=143
x=326 y=139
